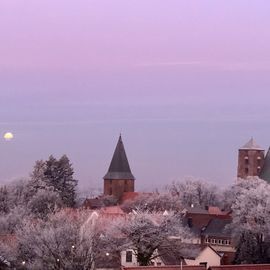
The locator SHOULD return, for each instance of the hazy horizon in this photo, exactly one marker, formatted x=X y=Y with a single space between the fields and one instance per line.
x=185 y=82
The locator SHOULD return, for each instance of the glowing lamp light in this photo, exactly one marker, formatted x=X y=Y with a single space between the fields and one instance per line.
x=8 y=136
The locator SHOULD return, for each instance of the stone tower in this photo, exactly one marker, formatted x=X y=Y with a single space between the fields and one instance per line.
x=265 y=173
x=119 y=178
x=250 y=160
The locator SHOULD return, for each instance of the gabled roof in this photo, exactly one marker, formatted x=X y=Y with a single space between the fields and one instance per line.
x=119 y=167
x=217 y=227
x=175 y=251
x=215 y=211
x=251 y=145
x=94 y=203
x=265 y=173
x=196 y=210
x=112 y=210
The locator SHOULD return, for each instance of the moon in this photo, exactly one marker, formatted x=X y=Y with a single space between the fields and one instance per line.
x=8 y=136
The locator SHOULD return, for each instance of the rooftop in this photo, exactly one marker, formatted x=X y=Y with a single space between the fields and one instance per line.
x=217 y=227
x=251 y=145
x=119 y=167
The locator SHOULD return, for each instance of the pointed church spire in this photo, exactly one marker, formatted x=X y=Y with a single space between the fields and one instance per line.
x=119 y=167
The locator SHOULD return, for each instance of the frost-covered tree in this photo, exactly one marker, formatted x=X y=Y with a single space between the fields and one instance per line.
x=64 y=241
x=153 y=202
x=17 y=193
x=195 y=192
x=144 y=233
x=4 y=200
x=251 y=218
x=57 y=174
x=251 y=207
x=10 y=221
x=44 y=202
x=247 y=251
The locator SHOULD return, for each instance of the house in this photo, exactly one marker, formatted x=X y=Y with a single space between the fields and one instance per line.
x=176 y=254
x=210 y=226
x=190 y=254
x=206 y=256
x=219 y=236
x=128 y=259
x=95 y=203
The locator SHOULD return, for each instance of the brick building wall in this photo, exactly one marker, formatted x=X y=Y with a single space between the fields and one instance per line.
x=250 y=162
x=118 y=187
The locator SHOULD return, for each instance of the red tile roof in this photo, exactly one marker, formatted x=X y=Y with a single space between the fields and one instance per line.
x=214 y=210
x=242 y=267
x=131 y=196
x=174 y=267
x=112 y=210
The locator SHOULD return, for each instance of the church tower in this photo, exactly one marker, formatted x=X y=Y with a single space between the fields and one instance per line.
x=250 y=160
x=119 y=178
x=265 y=173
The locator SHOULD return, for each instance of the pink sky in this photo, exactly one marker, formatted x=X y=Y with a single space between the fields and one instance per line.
x=192 y=74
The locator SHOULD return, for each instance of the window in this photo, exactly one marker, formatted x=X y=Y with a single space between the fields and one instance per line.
x=259 y=161
x=246 y=170
x=258 y=169
x=126 y=186
x=219 y=242
x=246 y=161
x=207 y=240
x=129 y=256
x=223 y=242
x=213 y=241
x=203 y=264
